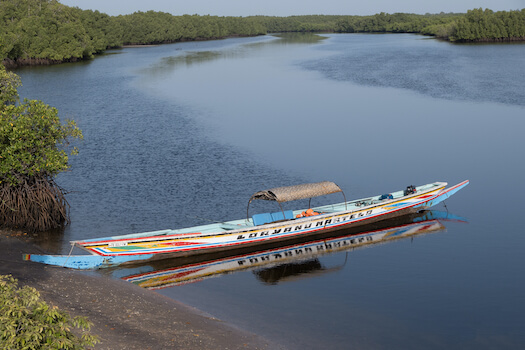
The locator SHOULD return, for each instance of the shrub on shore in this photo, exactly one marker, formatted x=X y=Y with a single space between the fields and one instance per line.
x=27 y=322
x=32 y=152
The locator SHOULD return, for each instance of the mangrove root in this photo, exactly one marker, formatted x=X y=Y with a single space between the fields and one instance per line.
x=36 y=204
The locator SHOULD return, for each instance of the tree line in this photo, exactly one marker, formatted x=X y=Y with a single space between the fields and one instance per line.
x=45 y=31
x=429 y=24
x=486 y=25
x=475 y=26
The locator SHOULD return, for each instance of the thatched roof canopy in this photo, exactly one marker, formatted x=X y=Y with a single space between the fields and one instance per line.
x=291 y=193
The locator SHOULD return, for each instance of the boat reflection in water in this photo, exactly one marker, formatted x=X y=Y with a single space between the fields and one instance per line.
x=278 y=263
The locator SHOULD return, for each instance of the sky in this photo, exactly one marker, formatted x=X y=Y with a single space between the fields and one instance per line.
x=291 y=7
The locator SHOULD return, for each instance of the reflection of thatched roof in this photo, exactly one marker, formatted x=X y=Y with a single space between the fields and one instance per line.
x=282 y=272
x=291 y=193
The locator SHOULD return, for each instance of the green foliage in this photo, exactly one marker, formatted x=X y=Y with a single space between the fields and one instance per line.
x=394 y=23
x=476 y=25
x=483 y=25
x=310 y=23
x=9 y=84
x=33 y=143
x=27 y=322
x=32 y=138
x=42 y=29
x=159 y=27
x=103 y=31
x=45 y=30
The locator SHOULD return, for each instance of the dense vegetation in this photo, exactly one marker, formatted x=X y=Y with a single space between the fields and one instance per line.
x=27 y=322
x=479 y=25
x=45 y=31
x=475 y=25
x=32 y=153
x=311 y=23
x=398 y=23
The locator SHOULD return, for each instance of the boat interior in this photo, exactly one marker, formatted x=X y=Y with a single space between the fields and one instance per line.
x=279 y=216
x=282 y=215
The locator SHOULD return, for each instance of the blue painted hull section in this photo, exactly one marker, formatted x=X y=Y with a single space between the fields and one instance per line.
x=443 y=195
x=84 y=262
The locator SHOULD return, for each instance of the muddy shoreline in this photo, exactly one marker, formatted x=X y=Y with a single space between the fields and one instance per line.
x=124 y=316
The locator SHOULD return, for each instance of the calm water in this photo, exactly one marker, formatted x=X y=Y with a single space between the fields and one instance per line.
x=179 y=135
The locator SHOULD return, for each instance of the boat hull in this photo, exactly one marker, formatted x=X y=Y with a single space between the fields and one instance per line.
x=113 y=251
x=173 y=272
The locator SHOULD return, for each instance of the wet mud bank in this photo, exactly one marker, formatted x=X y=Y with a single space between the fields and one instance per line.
x=124 y=316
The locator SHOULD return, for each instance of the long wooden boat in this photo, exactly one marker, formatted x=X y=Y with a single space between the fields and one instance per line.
x=259 y=229
x=288 y=261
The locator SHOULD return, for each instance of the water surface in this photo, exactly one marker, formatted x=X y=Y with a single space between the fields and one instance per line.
x=179 y=135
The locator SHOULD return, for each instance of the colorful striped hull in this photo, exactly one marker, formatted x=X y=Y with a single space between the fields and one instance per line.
x=118 y=250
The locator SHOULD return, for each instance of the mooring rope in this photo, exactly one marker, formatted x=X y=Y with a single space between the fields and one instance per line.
x=71 y=251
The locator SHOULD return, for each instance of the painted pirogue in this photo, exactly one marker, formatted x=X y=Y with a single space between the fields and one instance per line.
x=259 y=229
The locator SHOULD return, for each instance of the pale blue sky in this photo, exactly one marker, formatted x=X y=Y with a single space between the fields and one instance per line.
x=291 y=7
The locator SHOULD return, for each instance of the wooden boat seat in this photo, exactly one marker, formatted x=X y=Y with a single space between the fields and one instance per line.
x=265 y=218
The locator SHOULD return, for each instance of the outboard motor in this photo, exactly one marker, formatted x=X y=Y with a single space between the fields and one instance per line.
x=410 y=190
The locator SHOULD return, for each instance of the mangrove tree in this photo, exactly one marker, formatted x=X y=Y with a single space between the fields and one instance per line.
x=33 y=150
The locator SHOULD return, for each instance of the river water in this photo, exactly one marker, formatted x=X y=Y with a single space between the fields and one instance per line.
x=180 y=135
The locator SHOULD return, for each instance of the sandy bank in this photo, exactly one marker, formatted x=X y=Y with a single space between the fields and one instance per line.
x=125 y=316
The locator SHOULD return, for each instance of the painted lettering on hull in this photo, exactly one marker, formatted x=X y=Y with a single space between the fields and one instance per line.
x=300 y=227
